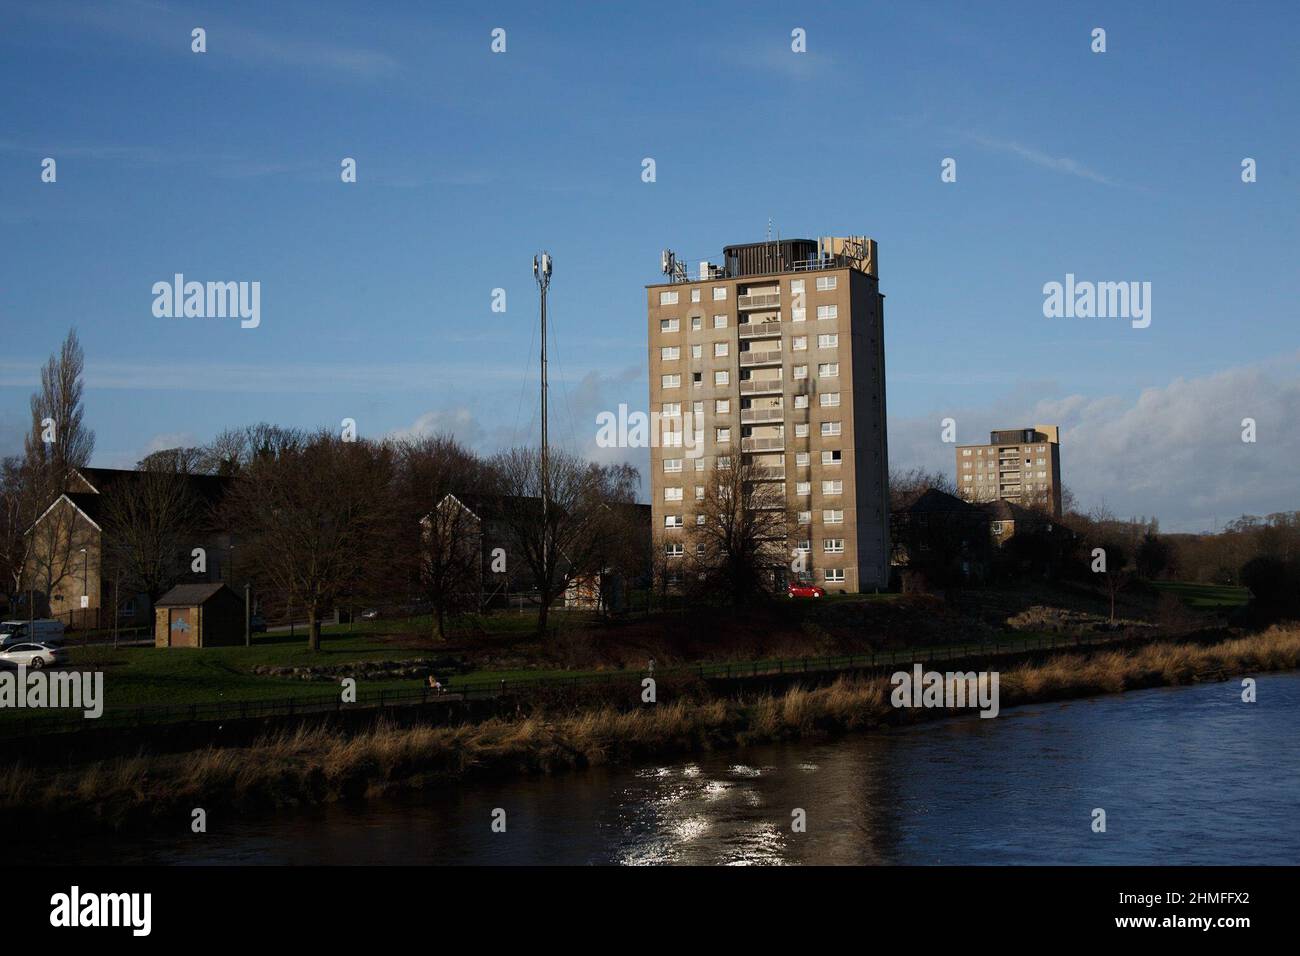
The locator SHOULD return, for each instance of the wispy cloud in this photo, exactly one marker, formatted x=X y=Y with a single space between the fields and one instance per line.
x=1059 y=164
x=168 y=29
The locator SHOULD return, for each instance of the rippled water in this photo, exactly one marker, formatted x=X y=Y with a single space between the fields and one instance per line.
x=1186 y=775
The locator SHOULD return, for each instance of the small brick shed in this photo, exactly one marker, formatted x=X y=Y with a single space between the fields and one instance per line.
x=199 y=615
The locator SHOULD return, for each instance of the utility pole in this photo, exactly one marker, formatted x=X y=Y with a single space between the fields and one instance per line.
x=542 y=273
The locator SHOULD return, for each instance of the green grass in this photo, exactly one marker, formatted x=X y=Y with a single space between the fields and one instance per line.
x=1205 y=596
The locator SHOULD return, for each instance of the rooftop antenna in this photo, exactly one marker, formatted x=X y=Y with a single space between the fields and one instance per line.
x=542 y=273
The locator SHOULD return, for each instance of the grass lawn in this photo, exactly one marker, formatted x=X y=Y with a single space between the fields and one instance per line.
x=1205 y=596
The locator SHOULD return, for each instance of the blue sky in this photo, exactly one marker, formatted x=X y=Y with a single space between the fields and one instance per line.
x=376 y=295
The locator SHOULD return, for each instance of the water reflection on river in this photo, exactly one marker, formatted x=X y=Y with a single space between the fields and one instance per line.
x=1186 y=775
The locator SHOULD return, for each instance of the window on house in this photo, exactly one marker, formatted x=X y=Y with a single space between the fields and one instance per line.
x=699 y=492
x=832 y=516
x=834 y=575
x=829 y=341
x=671 y=409
x=803 y=488
x=670 y=325
x=695 y=295
x=832 y=457
x=697 y=379
x=667 y=298
x=719 y=349
x=723 y=435
x=828 y=399
x=719 y=321
x=697 y=323
x=833 y=545
x=672 y=464
x=672 y=494
x=833 y=487
x=719 y=293
x=799 y=343
x=805 y=517
x=672 y=521
x=827 y=283
x=699 y=550
x=799 y=371
x=828 y=370
x=804 y=546
x=828 y=311
x=798 y=315
x=801 y=401
x=671 y=381
x=801 y=459
x=830 y=428
x=800 y=429
x=670 y=353
x=796 y=285
x=699 y=519
x=721 y=378
x=722 y=406
x=697 y=351
x=674 y=549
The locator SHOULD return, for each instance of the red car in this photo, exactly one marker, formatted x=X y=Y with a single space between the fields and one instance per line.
x=802 y=589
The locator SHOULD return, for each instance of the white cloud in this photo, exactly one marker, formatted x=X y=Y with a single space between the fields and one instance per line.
x=1174 y=452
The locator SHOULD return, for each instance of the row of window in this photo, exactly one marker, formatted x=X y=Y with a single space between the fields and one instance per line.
x=798 y=343
x=829 y=515
x=801 y=458
x=719 y=293
x=830 y=486
x=672 y=438
x=1028 y=450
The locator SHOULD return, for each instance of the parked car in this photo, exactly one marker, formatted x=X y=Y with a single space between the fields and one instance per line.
x=32 y=656
x=804 y=589
x=256 y=624
x=44 y=631
x=370 y=614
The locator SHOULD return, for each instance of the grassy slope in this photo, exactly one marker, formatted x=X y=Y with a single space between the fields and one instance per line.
x=145 y=676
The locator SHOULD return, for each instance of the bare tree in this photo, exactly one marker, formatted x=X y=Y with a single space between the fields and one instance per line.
x=318 y=520
x=149 y=519
x=906 y=486
x=441 y=534
x=739 y=549
x=56 y=443
x=565 y=538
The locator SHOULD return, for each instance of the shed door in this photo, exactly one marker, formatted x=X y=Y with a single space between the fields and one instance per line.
x=181 y=626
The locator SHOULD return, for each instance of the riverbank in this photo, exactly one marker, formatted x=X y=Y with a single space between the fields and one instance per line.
x=323 y=764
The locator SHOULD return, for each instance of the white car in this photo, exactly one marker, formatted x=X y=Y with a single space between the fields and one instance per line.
x=32 y=656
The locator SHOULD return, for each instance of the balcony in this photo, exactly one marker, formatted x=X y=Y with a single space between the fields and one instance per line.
x=755 y=416
x=767 y=474
x=771 y=357
x=760 y=386
x=759 y=330
x=765 y=300
x=762 y=444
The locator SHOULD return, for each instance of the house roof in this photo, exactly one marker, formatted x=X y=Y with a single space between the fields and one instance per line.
x=187 y=595
x=1003 y=510
x=934 y=501
x=209 y=488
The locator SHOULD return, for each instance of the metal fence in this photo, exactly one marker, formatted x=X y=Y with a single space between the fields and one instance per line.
x=456 y=691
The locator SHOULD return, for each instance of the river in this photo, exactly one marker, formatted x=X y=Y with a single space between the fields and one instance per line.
x=1186 y=775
